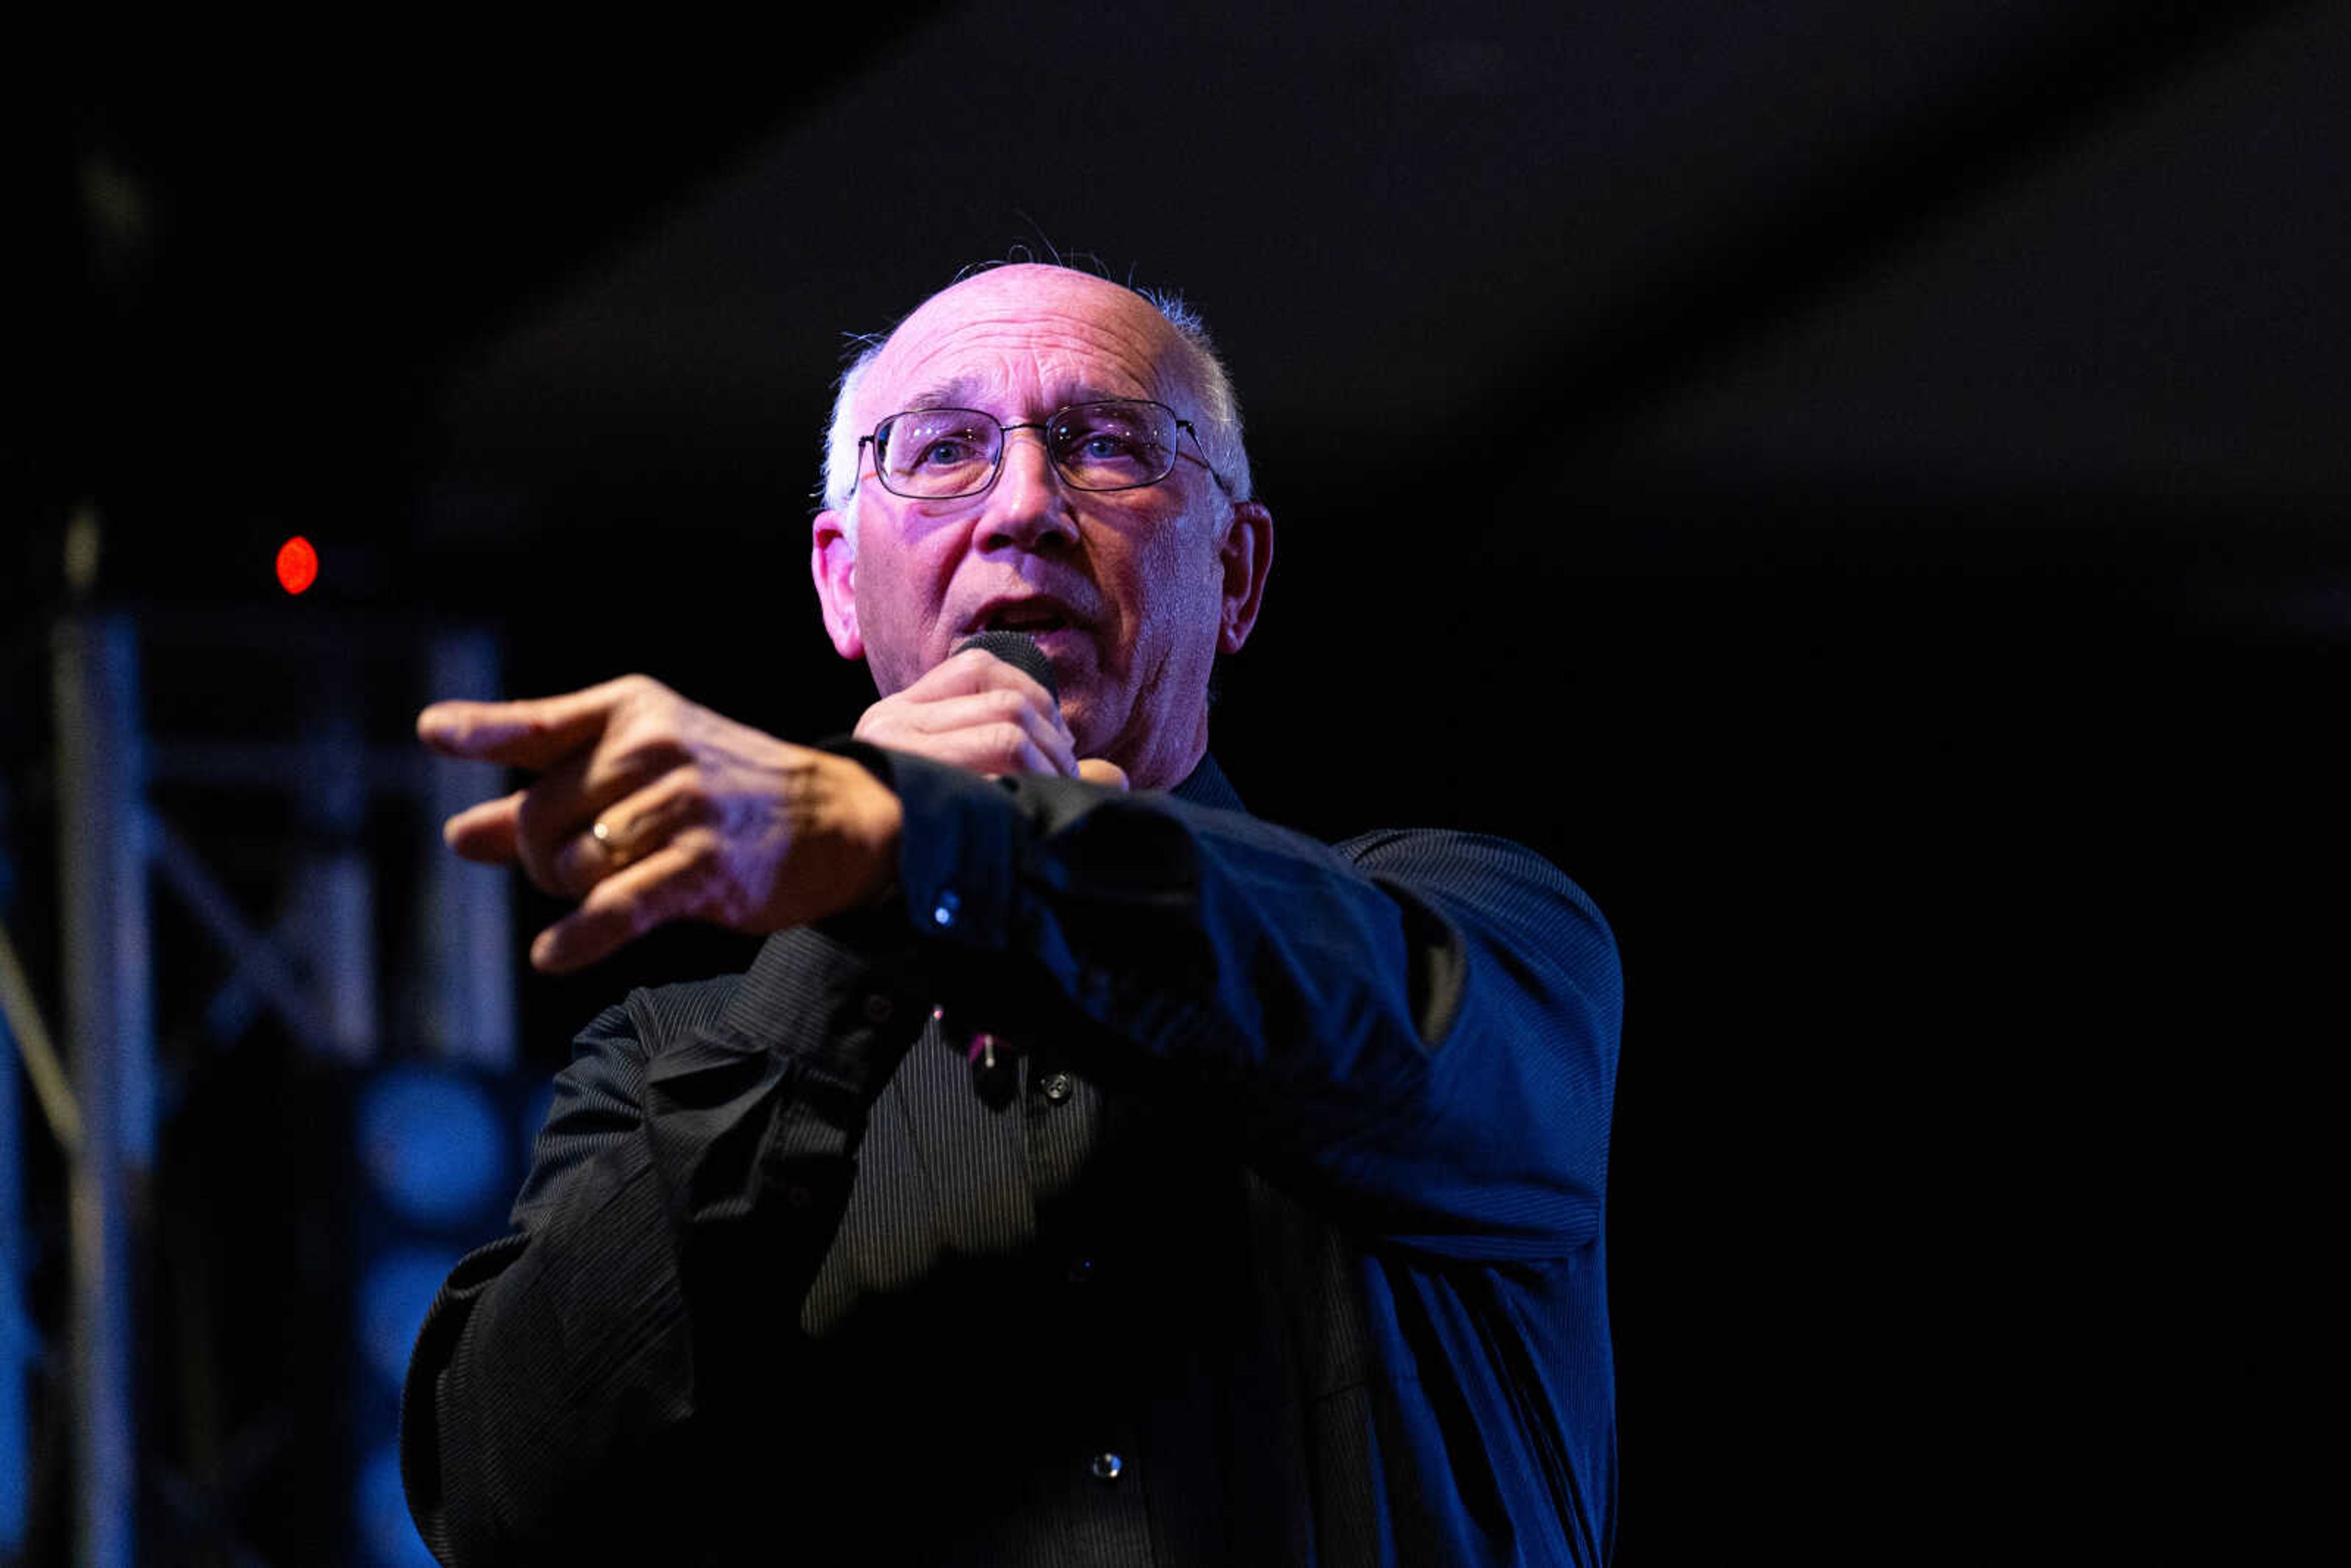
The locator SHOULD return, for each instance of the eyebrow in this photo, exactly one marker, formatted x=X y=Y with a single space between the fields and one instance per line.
x=956 y=393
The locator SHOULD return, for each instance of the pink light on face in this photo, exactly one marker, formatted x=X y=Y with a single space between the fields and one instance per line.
x=298 y=564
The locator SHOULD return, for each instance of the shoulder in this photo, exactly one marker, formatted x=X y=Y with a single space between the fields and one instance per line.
x=1483 y=885
x=1473 y=863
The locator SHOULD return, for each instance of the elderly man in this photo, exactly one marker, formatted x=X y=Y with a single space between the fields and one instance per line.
x=1081 y=1174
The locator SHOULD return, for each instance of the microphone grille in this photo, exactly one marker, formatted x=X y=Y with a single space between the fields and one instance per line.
x=1018 y=650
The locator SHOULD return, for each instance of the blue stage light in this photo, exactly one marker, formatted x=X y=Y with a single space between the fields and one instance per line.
x=432 y=1143
x=387 y=1535
x=394 y=1295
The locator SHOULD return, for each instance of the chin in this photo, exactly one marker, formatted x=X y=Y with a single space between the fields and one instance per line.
x=1083 y=711
x=1079 y=716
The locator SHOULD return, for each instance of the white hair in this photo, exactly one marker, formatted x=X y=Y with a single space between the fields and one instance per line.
x=1216 y=416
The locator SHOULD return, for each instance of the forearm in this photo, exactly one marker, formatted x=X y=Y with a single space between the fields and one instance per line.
x=1421 y=1028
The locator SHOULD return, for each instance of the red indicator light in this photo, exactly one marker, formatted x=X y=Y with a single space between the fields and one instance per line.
x=298 y=564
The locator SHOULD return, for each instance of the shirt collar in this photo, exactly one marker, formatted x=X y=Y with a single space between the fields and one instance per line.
x=1207 y=786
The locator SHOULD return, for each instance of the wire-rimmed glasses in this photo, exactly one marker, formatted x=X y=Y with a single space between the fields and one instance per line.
x=946 y=454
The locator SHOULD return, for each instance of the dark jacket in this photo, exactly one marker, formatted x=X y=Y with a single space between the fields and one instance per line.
x=1273 y=1234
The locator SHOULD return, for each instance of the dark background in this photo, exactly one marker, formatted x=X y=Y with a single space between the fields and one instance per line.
x=1861 y=487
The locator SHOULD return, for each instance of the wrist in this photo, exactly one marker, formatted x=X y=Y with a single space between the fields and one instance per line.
x=868 y=821
x=885 y=824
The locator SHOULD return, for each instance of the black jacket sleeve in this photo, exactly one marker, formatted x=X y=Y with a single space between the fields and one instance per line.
x=1417 y=1031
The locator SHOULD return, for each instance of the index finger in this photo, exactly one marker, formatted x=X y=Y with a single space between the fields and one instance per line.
x=973 y=671
x=529 y=732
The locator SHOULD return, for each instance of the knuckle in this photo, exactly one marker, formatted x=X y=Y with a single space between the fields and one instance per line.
x=689 y=799
x=651 y=752
x=692 y=805
x=669 y=797
x=647 y=701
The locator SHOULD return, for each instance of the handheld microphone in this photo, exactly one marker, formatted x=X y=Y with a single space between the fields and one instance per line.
x=1021 y=650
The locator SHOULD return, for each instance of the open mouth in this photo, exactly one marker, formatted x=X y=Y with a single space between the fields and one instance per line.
x=1037 y=619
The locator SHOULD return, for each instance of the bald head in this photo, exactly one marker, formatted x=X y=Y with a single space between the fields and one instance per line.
x=1187 y=370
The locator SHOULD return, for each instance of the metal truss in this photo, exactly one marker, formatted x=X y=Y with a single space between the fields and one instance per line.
x=312 y=964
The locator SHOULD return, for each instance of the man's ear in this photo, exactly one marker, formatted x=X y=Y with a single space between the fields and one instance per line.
x=833 y=561
x=1247 y=556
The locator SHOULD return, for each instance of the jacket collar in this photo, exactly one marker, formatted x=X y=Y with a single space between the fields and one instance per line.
x=1208 y=786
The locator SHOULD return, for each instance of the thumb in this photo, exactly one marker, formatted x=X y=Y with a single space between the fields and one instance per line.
x=1094 y=770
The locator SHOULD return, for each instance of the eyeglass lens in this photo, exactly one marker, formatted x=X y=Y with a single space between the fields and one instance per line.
x=940 y=453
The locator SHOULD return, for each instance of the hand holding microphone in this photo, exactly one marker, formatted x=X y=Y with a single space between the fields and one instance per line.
x=991 y=707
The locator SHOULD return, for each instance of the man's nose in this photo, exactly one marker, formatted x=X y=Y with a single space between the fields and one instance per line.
x=1028 y=505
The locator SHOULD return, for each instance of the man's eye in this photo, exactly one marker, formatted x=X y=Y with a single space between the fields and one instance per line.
x=1101 y=447
x=944 y=453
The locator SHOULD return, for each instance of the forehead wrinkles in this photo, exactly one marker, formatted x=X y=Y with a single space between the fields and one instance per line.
x=1019 y=345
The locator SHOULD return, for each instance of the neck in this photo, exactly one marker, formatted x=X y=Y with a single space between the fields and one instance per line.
x=1161 y=762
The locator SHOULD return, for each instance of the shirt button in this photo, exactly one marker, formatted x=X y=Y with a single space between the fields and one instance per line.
x=943 y=914
x=1057 y=1087
x=1105 y=1467
x=878 y=1009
